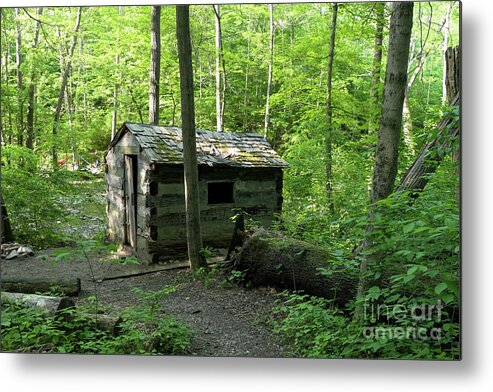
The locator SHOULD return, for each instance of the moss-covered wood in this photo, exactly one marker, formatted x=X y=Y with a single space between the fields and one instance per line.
x=272 y=260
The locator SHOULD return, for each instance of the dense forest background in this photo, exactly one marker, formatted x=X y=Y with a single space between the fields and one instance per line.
x=107 y=65
x=71 y=76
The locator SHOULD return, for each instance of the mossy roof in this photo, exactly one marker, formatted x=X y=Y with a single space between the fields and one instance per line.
x=165 y=145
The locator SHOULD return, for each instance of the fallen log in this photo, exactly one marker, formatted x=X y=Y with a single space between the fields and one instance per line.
x=272 y=260
x=33 y=284
x=53 y=306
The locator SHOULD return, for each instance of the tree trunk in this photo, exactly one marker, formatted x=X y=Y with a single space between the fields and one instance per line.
x=247 y=71
x=155 y=65
x=20 y=86
x=452 y=61
x=192 y=206
x=377 y=53
x=116 y=86
x=114 y=114
x=271 y=260
x=220 y=74
x=32 y=87
x=35 y=284
x=271 y=65
x=446 y=98
x=386 y=155
x=65 y=74
x=51 y=305
x=328 y=112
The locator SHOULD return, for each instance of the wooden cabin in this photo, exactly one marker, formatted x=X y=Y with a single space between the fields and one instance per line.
x=146 y=195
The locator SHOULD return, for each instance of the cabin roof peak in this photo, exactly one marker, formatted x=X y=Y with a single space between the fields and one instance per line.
x=164 y=145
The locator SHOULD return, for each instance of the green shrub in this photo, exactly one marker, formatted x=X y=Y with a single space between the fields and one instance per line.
x=144 y=330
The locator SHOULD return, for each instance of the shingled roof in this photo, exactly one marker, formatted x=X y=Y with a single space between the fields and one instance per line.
x=164 y=145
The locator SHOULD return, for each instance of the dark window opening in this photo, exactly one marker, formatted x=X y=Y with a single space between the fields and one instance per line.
x=220 y=193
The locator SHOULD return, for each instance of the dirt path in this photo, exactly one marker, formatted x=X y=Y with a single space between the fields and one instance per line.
x=225 y=321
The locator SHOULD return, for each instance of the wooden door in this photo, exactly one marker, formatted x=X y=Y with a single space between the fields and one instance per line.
x=130 y=200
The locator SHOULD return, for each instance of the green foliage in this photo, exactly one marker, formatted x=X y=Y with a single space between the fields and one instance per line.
x=32 y=197
x=313 y=328
x=143 y=331
x=411 y=309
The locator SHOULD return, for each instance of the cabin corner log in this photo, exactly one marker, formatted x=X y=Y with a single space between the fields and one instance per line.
x=53 y=306
x=272 y=260
x=32 y=284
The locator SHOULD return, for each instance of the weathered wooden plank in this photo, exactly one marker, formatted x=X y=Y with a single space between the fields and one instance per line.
x=171 y=189
x=267 y=185
x=167 y=173
x=128 y=140
x=114 y=181
x=115 y=196
x=116 y=222
x=163 y=218
x=244 y=174
x=127 y=150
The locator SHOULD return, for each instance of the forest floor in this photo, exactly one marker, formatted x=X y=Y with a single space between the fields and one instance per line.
x=226 y=320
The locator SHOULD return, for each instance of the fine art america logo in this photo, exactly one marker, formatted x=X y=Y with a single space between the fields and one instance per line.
x=416 y=322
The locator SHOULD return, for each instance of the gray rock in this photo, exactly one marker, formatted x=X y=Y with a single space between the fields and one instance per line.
x=26 y=250
x=12 y=255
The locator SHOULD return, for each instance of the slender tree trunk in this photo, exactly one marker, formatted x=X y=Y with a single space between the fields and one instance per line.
x=8 y=139
x=65 y=74
x=116 y=86
x=445 y=47
x=172 y=94
x=386 y=155
x=32 y=87
x=20 y=85
x=114 y=114
x=219 y=120
x=407 y=122
x=376 y=71
x=155 y=65
x=377 y=53
x=220 y=72
x=328 y=112
x=69 y=104
x=247 y=71
x=192 y=202
x=271 y=65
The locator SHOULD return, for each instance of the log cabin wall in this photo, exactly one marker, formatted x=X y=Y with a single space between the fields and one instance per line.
x=254 y=190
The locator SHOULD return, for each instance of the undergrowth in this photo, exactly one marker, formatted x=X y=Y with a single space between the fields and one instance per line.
x=145 y=329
